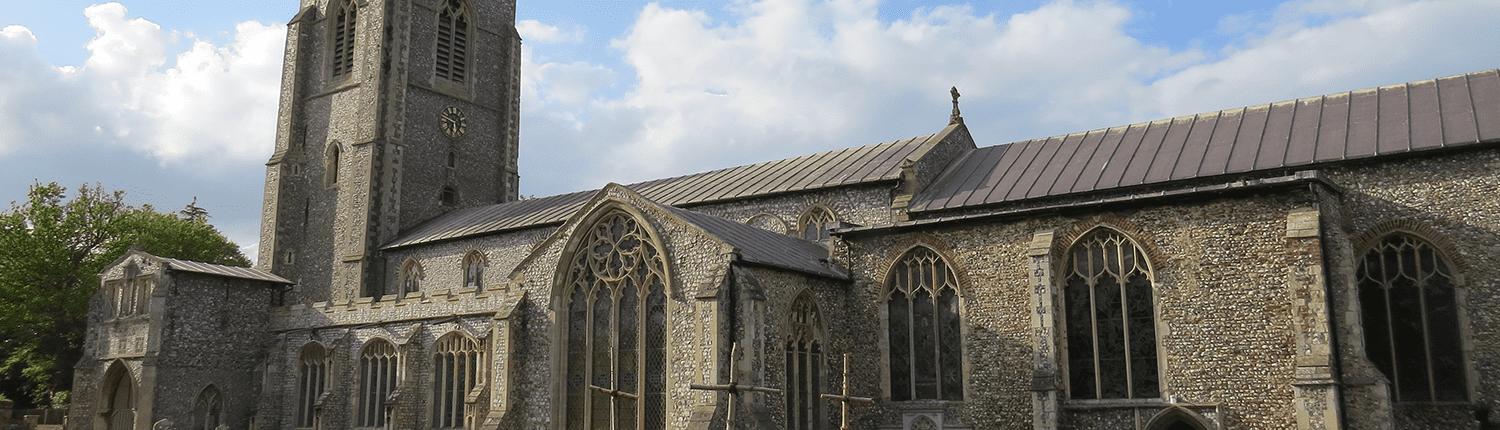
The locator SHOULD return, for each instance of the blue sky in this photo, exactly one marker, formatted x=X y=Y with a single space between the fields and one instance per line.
x=171 y=100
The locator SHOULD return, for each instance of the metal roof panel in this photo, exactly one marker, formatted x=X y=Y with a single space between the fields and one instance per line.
x=1333 y=128
x=1457 y=108
x=1484 y=88
x=1145 y=155
x=1084 y=155
x=1364 y=118
x=1394 y=135
x=1426 y=124
x=1220 y=145
x=1195 y=148
x=1278 y=132
x=1302 y=138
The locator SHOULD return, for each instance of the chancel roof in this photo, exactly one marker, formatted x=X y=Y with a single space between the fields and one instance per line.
x=864 y=164
x=1416 y=116
x=250 y=273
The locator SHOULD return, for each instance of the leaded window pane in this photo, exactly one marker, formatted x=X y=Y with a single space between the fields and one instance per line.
x=474 y=270
x=616 y=328
x=457 y=368
x=1409 y=309
x=1110 y=320
x=803 y=367
x=377 y=379
x=924 y=332
x=312 y=373
x=815 y=224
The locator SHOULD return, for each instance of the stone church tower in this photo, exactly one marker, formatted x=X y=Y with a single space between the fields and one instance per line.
x=392 y=112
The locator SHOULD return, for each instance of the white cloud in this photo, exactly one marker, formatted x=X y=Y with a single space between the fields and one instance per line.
x=533 y=31
x=791 y=77
x=214 y=105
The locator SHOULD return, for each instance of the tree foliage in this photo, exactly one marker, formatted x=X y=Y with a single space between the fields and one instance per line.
x=51 y=251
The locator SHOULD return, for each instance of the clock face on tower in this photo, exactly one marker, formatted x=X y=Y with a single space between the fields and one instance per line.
x=453 y=122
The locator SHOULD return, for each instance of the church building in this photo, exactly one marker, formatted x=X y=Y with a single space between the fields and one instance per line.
x=1331 y=262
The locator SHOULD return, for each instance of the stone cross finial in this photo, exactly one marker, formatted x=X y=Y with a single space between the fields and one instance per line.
x=955 y=118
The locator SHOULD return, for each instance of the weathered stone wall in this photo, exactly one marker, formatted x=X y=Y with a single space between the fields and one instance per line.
x=215 y=334
x=1218 y=274
x=443 y=263
x=1448 y=200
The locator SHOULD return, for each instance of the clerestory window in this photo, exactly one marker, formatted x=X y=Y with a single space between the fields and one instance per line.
x=1409 y=306
x=377 y=379
x=804 y=370
x=926 y=349
x=411 y=277
x=814 y=224
x=474 y=270
x=345 y=21
x=452 y=53
x=1110 y=317
x=615 y=332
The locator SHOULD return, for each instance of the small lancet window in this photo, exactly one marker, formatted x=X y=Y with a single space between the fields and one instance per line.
x=458 y=366
x=1409 y=304
x=331 y=164
x=411 y=277
x=312 y=377
x=474 y=270
x=452 y=53
x=804 y=371
x=926 y=349
x=345 y=21
x=452 y=159
x=377 y=379
x=1110 y=316
x=814 y=224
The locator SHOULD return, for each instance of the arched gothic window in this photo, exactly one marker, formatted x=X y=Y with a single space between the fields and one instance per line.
x=814 y=224
x=804 y=366
x=411 y=277
x=331 y=164
x=377 y=379
x=312 y=377
x=1410 y=308
x=120 y=414
x=925 y=344
x=1110 y=317
x=208 y=409
x=458 y=367
x=474 y=270
x=452 y=53
x=345 y=20
x=616 y=339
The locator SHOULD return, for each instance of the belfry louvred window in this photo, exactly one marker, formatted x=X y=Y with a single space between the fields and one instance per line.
x=1110 y=316
x=926 y=351
x=615 y=332
x=377 y=379
x=1409 y=305
x=312 y=376
x=345 y=20
x=452 y=53
x=457 y=368
x=804 y=370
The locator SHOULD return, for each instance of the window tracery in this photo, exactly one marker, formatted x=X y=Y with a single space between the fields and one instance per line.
x=411 y=277
x=474 y=270
x=815 y=222
x=1409 y=305
x=345 y=21
x=377 y=379
x=458 y=367
x=208 y=409
x=616 y=340
x=452 y=53
x=924 y=333
x=1110 y=317
x=312 y=376
x=804 y=372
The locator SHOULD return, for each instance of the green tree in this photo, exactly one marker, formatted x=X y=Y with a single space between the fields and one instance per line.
x=51 y=251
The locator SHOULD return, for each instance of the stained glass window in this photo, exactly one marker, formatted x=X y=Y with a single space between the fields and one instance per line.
x=345 y=20
x=377 y=378
x=452 y=54
x=474 y=270
x=411 y=277
x=1409 y=304
x=616 y=340
x=312 y=375
x=457 y=367
x=926 y=351
x=1110 y=316
x=804 y=357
